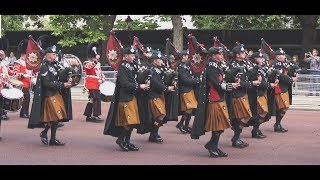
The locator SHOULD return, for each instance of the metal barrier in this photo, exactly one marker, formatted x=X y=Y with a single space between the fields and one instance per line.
x=307 y=84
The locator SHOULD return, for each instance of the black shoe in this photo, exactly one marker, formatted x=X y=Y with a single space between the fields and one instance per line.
x=155 y=139
x=97 y=119
x=279 y=128
x=44 y=138
x=187 y=129
x=213 y=153
x=180 y=127
x=5 y=117
x=258 y=134
x=238 y=144
x=244 y=143
x=24 y=116
x=92 y=119
x=60 y=124
x=123 y=145
x=221 y=153
x=132 y=147
x=56 y=142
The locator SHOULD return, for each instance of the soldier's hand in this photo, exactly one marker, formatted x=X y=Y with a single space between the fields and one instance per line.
x=67 y=84
x=235 y=85
x=295 y=79
x=100 y=81
x=145 y=86
x=256 y=83
x=260 y=78
x=170 y=88
x=276 y=81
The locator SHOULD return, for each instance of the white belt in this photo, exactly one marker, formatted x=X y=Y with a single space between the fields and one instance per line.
x=92 y=76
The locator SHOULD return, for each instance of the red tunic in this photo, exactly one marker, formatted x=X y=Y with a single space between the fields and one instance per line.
x=93 y=75
x=21 y=70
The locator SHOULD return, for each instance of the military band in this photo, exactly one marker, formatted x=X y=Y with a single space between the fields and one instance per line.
x=240 y=92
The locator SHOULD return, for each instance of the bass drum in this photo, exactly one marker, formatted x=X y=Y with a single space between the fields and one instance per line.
x=12 y=99
x=107 y=91
x=72 y=67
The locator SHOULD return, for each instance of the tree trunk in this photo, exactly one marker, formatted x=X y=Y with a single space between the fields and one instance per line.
x=177 y=31
x=308 y=24
x=110 y=19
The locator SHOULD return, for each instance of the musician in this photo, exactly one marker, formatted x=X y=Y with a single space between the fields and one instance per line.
x=187 y=97
x=123 y=113
x=240 y=110
x=281 y=95
x=21 y=72
x=52 y=99
x=156 y=96
x=6 y=73
x=258 y=94
x=94 y=77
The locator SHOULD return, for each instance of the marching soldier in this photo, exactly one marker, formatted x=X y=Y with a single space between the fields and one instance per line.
x=94 y=77
x=187 y=97
x=215 y=112
x=52 y=100
x=123 y=113
x=240 y=110
x=281 y=95
x=258 y=94
x=21 y=72
x=156 y=96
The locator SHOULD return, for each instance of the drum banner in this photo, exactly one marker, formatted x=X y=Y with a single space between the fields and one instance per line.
x=114 y=51
x=33 y=56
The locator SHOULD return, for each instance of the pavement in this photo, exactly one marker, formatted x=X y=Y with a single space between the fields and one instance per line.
x=86 y=144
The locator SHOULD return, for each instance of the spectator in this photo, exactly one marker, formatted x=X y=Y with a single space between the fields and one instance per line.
x=314 y=60
x=11 y=59
x=295 y=59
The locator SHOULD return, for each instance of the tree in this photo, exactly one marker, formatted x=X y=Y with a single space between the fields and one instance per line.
x=242 y=21
x=309 y=24
x=11 y=23
x=177 y=31
x=74 y=29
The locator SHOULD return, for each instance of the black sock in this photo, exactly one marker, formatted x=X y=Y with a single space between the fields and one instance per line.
x=54 y=127
x=46 y=129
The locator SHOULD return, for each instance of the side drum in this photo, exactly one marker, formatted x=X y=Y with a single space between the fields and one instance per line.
x=16 y=83
x=12 y=99
x=107 y=90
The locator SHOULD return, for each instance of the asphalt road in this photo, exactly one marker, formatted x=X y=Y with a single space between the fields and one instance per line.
x=86 y=145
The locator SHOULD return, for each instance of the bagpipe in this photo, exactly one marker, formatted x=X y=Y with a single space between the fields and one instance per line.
x=69 y=67
x=232 y=75
x=143 y=72
x=170 y=76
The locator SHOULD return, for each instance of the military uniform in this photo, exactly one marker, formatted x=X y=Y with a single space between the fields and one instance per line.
x=281 y=94
x=188 y=100
x=94 y=76
x=52 y=101
x=23 y=74
x=157 y=99
x=259 y=98
x=123 y=113
x=240 y=112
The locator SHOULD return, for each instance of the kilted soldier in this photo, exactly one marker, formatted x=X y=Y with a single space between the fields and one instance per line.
x=241 y=112
x=281 y=95
x=52 y=99
x=156 y=96
x=258 y=94
x=217 y=116
x=123 y=113
x=94 y=77
x=187 y=97
x=23 y=74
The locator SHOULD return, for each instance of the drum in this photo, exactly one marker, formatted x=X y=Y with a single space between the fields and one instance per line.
x=16 y=83
x=12 y=99
x=107 y=90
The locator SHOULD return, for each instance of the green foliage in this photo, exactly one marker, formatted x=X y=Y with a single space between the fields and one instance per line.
x=148 y=22
x=244 y=21
x=74 y=29
x=11 y=23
